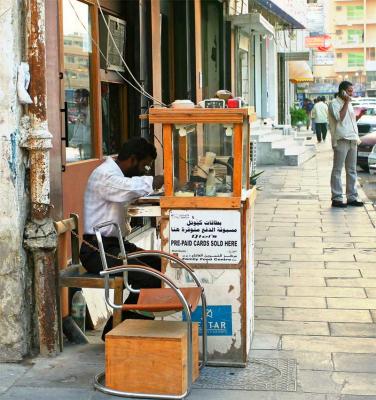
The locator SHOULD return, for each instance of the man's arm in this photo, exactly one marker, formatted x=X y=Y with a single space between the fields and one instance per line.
x=345 y=107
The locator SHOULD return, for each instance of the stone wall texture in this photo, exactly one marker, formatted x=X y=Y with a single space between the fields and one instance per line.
x=15 y=274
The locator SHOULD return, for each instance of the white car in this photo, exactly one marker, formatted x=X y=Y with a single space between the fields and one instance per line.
x=368 y=118
x=372 y=161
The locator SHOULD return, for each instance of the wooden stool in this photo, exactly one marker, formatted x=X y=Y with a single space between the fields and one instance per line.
x=146 y=356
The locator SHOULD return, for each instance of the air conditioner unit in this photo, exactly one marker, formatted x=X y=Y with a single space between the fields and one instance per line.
x=117 y=27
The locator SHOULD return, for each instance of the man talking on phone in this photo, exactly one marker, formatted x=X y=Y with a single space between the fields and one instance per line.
x=345 y=141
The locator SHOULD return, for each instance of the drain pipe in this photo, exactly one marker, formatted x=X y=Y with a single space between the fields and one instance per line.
x=40 y=236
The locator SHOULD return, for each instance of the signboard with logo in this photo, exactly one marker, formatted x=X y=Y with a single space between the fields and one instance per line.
x=205 y=236
x=218 y=320
x=323 y=58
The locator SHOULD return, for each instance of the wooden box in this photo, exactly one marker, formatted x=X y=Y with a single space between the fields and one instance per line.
x=145 y=356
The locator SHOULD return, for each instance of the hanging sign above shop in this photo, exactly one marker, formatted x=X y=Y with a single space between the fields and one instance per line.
x=320 y=43
x=206 y=236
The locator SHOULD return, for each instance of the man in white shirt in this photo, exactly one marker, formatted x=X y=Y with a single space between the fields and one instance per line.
x=110 y=187
x=345 y=140
x=320 y=115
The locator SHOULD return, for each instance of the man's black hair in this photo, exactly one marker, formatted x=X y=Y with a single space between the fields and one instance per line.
x=138 y=147
x=344 y=86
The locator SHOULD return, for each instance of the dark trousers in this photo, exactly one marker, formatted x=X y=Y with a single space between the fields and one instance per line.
x=91 y=261
x=321 y=130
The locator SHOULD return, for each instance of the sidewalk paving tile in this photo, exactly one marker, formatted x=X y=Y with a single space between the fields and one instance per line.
x=354 y=362
x=354 y=304
x=266 y=341
x=324 y=257
x=351 y=282
x=308 y=382
x=289 y=281
x=273 y=313
x=352 y=329
x=270 y=290
x=326 y=315
x=325 y=272
x=371 y=292
x=306 y=251
x=327 y=292
x=349 y=265
x=329 y=344
x=292 y=328
x=290 y=301
x=356 y=383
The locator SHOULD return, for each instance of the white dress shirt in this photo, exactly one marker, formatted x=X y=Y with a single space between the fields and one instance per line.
x=107 y=193
x=320 y=113
x=346 y=129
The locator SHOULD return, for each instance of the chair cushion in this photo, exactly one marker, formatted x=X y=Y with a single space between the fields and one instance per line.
x=165 y=299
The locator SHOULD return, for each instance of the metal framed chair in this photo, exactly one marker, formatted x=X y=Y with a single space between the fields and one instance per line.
x=171 y=298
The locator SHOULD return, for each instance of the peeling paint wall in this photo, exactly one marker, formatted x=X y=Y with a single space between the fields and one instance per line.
x=15 y=281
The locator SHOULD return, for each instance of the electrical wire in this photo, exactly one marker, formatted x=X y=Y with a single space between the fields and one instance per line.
x=122 y=59
x=142 y=92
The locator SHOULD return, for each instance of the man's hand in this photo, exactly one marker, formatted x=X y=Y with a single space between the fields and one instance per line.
x=158 y=182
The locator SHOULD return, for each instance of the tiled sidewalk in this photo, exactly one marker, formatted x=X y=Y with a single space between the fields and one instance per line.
x=316 y=282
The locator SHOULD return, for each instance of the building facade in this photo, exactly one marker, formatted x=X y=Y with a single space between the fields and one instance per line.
x=87 y=98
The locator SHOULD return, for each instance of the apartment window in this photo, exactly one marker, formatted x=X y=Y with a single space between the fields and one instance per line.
x=339 y=32
x=339 y=55
x=355 y=60
x=338 y=8
x=355 y=36
x=355 y=12
x=371 y=54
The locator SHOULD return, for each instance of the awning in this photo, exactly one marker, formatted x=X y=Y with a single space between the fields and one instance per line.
x=275 y=9
x=299 y=71
x=252 y=23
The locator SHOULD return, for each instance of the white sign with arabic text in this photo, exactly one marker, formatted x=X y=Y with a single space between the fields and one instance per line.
x=206 y=236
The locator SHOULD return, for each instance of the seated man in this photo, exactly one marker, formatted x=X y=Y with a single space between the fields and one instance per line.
x=110 y=187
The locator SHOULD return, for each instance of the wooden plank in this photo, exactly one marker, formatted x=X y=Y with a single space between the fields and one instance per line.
x=168 y=161
x=183 y=163
x=198 y=49
x=149 y=357
x=238 y=160
x=197 y=115
x=118 y=299
x=200 y=202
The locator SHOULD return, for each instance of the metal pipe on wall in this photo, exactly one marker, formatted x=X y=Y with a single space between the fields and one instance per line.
x=40 y=236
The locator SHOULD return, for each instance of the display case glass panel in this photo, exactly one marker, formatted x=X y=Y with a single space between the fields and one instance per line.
x=203 y=160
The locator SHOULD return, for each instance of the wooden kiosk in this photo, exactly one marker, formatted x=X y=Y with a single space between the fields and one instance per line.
x=210 y=226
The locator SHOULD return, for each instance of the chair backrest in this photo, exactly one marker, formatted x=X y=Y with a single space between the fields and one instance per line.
x=70 y=225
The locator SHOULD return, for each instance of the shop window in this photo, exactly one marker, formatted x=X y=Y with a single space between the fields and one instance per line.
x=355 y=12
x=338 y=8
x=339 y=55
x=355 y=60
x=113 y=123
x=77 y=86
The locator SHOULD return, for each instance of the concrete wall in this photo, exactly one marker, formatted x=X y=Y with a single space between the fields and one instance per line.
x=15 y=290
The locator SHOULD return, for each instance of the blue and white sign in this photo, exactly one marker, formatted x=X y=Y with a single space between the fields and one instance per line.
x=218 y=320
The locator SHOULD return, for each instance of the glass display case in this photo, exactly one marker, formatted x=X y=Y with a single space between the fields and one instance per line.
x=206 y=154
